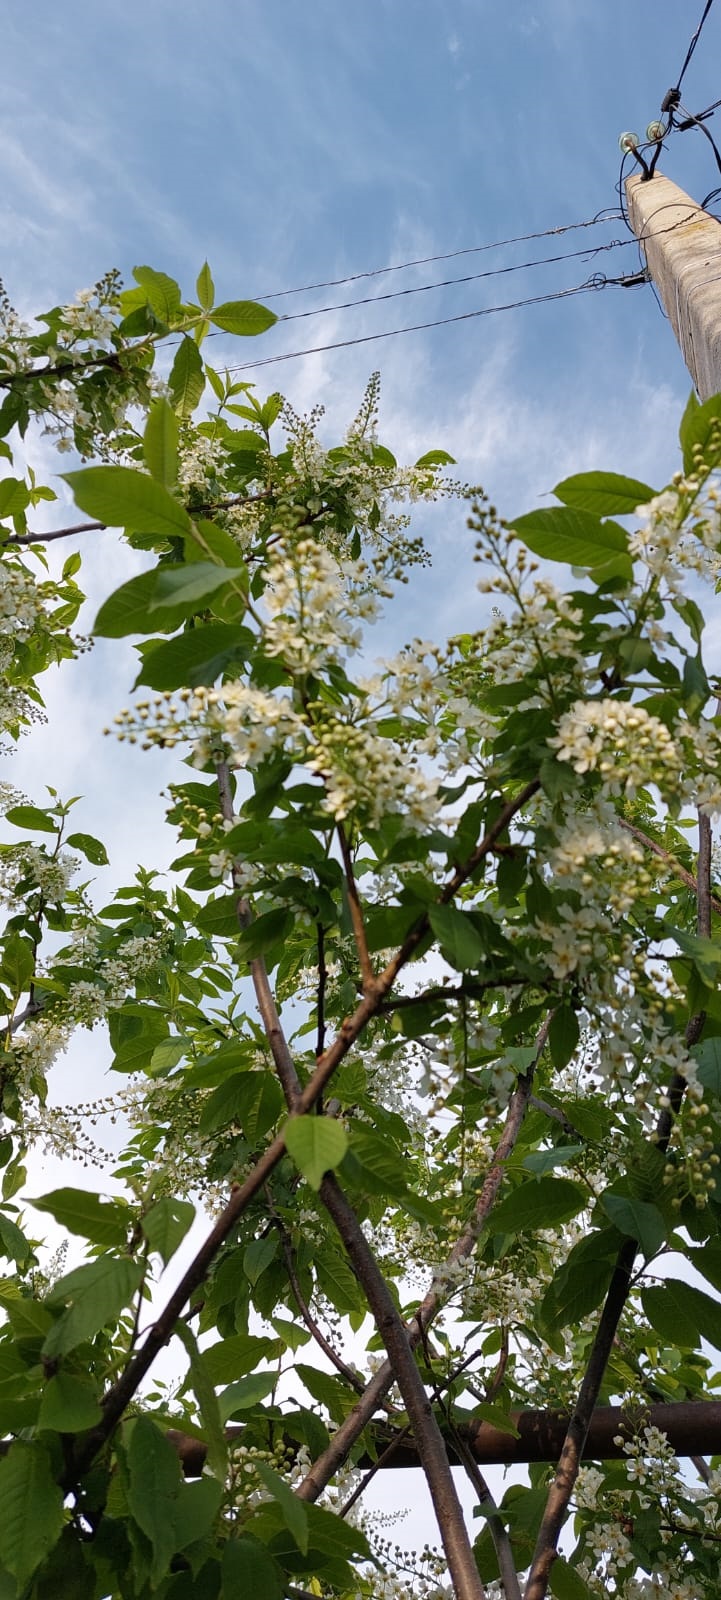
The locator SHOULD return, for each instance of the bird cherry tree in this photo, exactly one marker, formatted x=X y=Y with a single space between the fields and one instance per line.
x=422 y=1032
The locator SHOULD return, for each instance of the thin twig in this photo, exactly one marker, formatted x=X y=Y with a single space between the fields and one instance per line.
x=322 y=981
x=356 y=911
x=351 y=1377
x=99 y=527
x=670 y=860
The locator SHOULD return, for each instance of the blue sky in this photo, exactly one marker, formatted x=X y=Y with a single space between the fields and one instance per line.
x=290 y=143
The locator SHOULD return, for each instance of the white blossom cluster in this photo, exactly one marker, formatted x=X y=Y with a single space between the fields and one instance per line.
x=679 y=533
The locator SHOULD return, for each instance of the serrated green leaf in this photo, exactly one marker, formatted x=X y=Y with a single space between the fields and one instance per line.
x=32 y=1509
x=122 y=497
x=13 y=1243
x=637 y=1219
x=338 y=1281
x=91 y=848
x=239 y=1354
x=166 y=1224
x=700 y=433
x=204 y=1391
x=682 y=1314
x=243 y=317
x=31 y=817
x=186 y=379
x=163 y=293
x=205 y=288
x=246 y=1393
x=538 y=1204
x=153 y=1490
x=104 y=1222
x=604 y=494
x=95 y=1294
x=566 y=1583
x=559 y=533
x=197 y=656
x=249 y=1569
x=460 y=942
x=160 y=443
x=190 y=583
x=436 y=458
x=485 y=1412
x=69 y=1404
x=563 y=1036
x=294 y=1512
x=316 y=1144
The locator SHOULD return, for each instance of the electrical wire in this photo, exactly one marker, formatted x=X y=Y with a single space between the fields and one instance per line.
x=598 y=281
x=606 y=215
x=446 y=283
x=693 y=44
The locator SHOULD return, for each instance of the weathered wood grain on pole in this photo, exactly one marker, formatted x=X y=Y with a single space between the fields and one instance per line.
x=682 y=246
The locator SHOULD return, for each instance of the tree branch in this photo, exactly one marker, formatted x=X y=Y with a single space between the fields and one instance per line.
x=90 y=527
x=561 y=1489
x=120 y=1394
x=429 y=1439
x=691 y=1427
x=665 y=855
x=356 y=911
x=327 y=1464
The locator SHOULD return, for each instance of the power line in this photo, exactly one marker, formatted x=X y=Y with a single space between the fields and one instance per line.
x=598 y=281
x=601 y=217
x=446 y=283
x=693 y=44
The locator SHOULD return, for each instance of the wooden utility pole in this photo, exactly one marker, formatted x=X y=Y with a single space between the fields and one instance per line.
x=682 y=246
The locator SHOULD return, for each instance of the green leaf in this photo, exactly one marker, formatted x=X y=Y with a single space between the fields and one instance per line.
x=436 y=458
x=566 y=1583
x=496 y=1416
x=317 y=1145
x=700 y=433
x=258 y=1255
x=128 y=610
x=197 y=656
x=162 y=292
x=18 y=963
x=204 y=1391
x=246 y=1394
x=32 y=1509
x=637 y=1219
x=460 y=942
x=160 y=443
x=13 y=1243
x=187 y=584
x=682 y=1314
x=559 y=533
x=249 y=1569
x=139 y=1032
x=338 y=1281
x=294 y=1512
x=91 y=848
x=153 y=1490
x=104 y=1222
x=563 y=1036
x=69 y=1404
x=205 y=288
x=538 y=1204
x=31 y=817
x=243 y=317
x=95 y=1294
x=604 y=494
x=122 y=497
x=166 y=1224
x=186 y=379
x=237 y=1355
